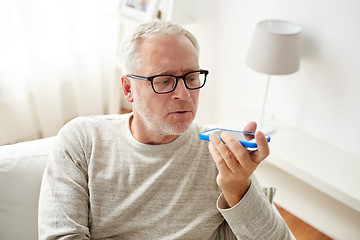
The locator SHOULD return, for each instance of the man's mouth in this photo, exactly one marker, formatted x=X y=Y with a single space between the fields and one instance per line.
x=180 y=112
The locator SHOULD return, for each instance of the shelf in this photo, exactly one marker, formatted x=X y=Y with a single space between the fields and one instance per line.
x=317 y=163
x=313 y=161
x=325 y=213
x=315 y=180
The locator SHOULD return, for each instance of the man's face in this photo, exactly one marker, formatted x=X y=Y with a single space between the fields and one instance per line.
x=169 y=113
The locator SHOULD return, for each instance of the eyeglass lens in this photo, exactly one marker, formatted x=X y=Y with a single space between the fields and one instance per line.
x=167 y=83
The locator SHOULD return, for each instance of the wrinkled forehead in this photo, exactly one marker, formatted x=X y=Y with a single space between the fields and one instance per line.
x=171 y=53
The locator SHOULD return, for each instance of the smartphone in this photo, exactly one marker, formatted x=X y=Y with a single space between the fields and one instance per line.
x=247 y=139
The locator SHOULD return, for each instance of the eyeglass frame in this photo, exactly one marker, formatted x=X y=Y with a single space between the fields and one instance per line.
x=151 y=78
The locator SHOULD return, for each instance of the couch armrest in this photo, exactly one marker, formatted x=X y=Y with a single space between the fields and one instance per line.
x=21 y=169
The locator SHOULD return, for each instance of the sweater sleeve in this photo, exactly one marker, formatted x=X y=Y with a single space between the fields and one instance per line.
x=254 y=217
x=64 y=195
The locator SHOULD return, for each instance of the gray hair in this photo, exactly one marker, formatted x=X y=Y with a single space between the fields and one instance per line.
x=130 y=58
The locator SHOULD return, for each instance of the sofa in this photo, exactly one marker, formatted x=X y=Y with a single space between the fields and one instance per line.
x=21 y=168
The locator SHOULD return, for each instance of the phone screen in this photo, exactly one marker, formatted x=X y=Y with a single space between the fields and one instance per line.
x=240 y=136
x=247 y=139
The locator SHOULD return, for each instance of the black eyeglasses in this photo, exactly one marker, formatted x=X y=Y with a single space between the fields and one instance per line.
x=167 y=83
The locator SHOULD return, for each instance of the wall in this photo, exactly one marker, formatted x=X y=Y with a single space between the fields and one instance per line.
x=321 y=98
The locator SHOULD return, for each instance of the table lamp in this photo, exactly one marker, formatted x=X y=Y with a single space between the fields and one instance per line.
x=274 y=50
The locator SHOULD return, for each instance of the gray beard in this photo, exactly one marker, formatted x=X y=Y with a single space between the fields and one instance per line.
x=154 y=123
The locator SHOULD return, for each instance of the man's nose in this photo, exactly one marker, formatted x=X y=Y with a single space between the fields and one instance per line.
x=181 y=92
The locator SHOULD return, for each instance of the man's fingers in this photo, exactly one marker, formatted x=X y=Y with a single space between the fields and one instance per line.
x=263 y=147
x=250 y=127
x=240 y=152
x=219 y=161
x=225 y=152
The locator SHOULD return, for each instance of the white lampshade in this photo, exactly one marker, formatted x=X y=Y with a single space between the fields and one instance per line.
x=275 y=48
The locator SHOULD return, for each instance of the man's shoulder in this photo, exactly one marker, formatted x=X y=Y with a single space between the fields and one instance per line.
x=97 y=119
x=87 y=124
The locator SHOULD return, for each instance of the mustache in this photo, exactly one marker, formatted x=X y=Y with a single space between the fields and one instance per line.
x=182 y=106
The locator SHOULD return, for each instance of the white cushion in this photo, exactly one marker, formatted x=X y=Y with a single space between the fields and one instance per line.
x=21 y=169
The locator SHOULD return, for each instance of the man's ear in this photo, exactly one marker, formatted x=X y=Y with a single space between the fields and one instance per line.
x=126 y=86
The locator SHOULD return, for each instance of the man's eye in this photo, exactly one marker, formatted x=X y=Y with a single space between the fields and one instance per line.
x=163 y=80
x=192 y=79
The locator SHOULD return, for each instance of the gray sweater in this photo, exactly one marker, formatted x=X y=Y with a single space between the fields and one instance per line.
x=100 y=183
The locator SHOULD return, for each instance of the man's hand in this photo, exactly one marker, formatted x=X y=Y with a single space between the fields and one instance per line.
x=235 y=163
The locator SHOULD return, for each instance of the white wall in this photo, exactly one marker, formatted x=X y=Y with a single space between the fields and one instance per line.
x=322 y=98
